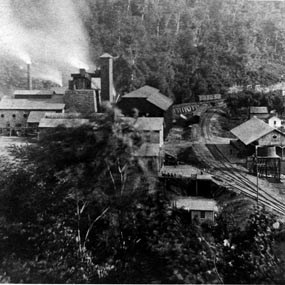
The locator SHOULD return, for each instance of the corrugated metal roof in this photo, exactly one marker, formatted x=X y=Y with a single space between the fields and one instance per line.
x=251 y=130
x=35 y=116
x=152 y=95
x=67 y=123
x=25 y=104
x=145 y=123
x=195 y=204
x=148 y=150
x=258 y=110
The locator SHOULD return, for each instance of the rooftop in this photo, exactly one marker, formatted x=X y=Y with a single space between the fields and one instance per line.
x=25 y=104
x=251 y=130
x=184 y=171
x=152 y=95
x=195 y=204
x=34 y=92
x=258 y=110
x=145 y=123
x=35 y=116
x=67 y=123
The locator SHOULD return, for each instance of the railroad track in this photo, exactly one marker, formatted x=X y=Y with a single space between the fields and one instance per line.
x=232 y=177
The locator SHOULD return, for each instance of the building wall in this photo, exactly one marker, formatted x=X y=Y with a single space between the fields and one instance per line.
x=81 y=101
x=13 y=118
x=259 y=116
x=275 y=122
x=153 y=137
x=273 y=138
x=209 y=215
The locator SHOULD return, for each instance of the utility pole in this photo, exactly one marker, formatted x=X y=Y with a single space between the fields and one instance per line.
x=257 y=187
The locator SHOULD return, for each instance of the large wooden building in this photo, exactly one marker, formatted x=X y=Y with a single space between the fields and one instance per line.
x=149 y=102
x=264 y=146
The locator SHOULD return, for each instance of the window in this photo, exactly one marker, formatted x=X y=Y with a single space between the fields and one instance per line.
x=18 y=125
x=274 y=123
x=14 y=116
x=25 y=115
x=202 y=214
x=274 y=137
x=2 y=116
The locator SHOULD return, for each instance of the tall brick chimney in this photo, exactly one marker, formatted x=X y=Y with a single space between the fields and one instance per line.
x=107 y=86
x=29 y=77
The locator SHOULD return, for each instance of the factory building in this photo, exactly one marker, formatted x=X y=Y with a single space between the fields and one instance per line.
x=263 y=145
x=14 y=113
x=86 y=91
x=149 y=102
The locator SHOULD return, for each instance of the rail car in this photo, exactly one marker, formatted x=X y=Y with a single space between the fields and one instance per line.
x=210 y=98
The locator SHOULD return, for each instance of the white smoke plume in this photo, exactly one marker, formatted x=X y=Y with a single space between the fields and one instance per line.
x=48 y=33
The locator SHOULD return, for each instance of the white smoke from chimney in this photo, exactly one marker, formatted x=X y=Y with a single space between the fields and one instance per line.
x=50 y=32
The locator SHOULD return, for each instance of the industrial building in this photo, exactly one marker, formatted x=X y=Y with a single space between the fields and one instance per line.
x=149 y=102
x=262 y=144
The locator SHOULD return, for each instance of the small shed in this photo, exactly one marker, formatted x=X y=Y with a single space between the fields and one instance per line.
x=200 y=208
x=275 y=122
x=259 y=112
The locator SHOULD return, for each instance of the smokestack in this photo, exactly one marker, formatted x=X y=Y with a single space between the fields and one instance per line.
x=29 y=77
x=107 y=86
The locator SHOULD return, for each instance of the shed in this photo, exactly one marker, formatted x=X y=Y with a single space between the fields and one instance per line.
x=199 y=207
x=259 y=112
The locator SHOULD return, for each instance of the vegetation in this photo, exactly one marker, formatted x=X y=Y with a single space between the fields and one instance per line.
x=78 y=208
x=185 y=47
x=244 y=99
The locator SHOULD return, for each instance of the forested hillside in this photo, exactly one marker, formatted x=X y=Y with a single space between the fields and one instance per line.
x=187 y=47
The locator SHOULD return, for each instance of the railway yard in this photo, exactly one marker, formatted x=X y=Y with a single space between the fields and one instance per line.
x=210 y=146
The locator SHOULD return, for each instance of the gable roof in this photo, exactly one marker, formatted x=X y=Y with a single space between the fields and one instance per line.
x=152 y=95
x=258 y=110
x=251 y=130
x=67 y=123
x=145 y=123
x=195 y=204
x=25 y=104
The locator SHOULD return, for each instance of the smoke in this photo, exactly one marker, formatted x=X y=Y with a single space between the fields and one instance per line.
x=48 y=33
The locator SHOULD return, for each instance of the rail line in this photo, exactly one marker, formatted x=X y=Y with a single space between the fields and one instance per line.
x=233 y=179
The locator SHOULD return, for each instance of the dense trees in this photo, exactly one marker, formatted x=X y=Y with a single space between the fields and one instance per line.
x=186 y=48
x=77 y=208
